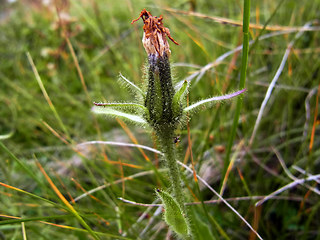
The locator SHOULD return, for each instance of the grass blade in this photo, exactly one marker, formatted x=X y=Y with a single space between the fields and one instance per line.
x=45 y=94
x=20 y=163
x=68 y=205
x=244 y=63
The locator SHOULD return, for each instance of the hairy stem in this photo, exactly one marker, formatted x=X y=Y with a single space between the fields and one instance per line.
x=169 y=151
x=170 y=155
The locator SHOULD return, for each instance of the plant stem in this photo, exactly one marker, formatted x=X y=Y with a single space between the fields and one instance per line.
x=170 y=155
x=168 y=149
x=244 y=64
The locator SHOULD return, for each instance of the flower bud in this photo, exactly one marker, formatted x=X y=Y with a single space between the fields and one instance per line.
x=160 y=92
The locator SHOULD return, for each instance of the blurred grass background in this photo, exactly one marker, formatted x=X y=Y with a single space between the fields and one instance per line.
x=105 y=44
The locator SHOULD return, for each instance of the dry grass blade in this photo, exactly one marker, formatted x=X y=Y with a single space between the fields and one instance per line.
x=288 y=186
x=151 y=220
x=24 y=234
x=232 y=161
x=57 y=225
x=220 y=59
x=121 y=144
x=239 y=23
x=289 y=174
x=222 y=199
x=76 y=63
x=303 y=172
x=45 y=94
x=314 y=121
x=139 y=204
x=216 y=201
x=307 y=107
x=140 y=174
x=141 y=218
x=274 y=81
x=133 y=138
x=68 y=205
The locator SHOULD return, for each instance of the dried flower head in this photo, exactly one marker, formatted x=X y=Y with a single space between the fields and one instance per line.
x=154 y=38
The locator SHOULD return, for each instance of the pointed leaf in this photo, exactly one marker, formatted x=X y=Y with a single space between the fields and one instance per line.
x=131 y=85
x=131 y=106
x=178 y=98
x=173 y=214
x=210 y=101
x=118 y=114
x=181 y=92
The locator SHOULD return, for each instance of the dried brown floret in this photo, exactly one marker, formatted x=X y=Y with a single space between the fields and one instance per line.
x=154 y=38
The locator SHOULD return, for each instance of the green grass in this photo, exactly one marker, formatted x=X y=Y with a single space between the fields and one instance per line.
x=105 y=44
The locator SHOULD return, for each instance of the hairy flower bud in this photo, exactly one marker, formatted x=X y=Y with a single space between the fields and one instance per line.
x=160 y=92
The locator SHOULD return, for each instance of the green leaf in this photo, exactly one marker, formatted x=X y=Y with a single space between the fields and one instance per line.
x=131 y=85
x=180 y=94
x=123 y=106
x=173 y=214
x=210 y=101
x=117 y=114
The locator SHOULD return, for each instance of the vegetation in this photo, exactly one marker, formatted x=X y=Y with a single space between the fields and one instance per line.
x=67 y=173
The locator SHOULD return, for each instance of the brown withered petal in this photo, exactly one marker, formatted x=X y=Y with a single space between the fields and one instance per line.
x=154 y=38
